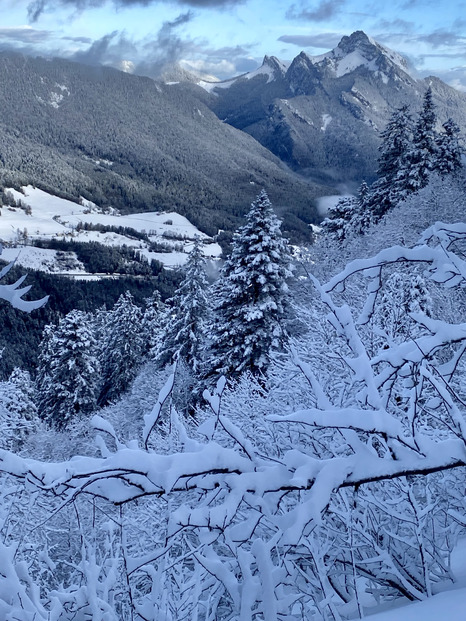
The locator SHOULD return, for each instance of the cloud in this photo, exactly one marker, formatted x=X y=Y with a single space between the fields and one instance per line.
x=167 y=48
x=414 y=4
x=77 y=39
x=441 y=38
x=223 y=62
x=25 y=40
x=395 y=25
x=37 y=7
x=216 y=68
x=25 y=34
x=109 y=50
x=326 y=9
x=144 y=57
x=149 y=56
x=326 y=40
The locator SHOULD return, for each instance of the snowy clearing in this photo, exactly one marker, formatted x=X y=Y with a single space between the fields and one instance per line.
x=53 y=217
x=450 y=605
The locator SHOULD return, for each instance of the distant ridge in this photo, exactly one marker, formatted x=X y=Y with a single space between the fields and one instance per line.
x=135 y=144
x=322 y=114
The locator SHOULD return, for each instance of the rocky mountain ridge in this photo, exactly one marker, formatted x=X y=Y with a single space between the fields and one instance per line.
x=322 y=114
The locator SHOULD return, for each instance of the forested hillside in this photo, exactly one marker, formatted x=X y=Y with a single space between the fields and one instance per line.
x=288 y=443
x=134 y=144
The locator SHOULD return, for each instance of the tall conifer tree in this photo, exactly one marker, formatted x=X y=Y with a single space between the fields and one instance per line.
x=122 y=351
x=69 y=370
x=449 y=149
x=392 y=184
x=422 y=157
x=252 y=292
x=185 y=334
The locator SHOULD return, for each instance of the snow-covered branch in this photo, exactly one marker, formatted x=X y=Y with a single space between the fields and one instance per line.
x=14 y=293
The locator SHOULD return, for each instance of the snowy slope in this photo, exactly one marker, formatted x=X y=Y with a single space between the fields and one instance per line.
x=50 y=216
x=450 y=606
x=45 y=260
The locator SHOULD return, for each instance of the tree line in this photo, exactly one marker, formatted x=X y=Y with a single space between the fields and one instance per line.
x=409 y=152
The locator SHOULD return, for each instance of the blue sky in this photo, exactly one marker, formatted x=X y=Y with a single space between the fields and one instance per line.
x=228 y=37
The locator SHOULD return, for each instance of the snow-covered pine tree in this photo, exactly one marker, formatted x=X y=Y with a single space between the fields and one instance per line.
x=423 y=154
x=392 y=184
x=339 y=216
x=251 y=303
x=17 y=409
x=122 y=350
x=185 y=332
x=22 y=396
x=152 y=324
x=403 y=293
x=449 y=152
x=69 y=371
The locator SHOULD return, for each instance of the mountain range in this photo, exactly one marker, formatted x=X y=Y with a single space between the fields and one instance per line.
x=204 y=149
x=134 y=144
x=322 y=114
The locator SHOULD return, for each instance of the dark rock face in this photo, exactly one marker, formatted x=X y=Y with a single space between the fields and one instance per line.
x=303 y=76
x=322 y=116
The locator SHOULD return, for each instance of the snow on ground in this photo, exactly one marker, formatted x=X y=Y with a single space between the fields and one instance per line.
x=45 y=260
x=210 y=86
x=352 y=61
x=450 y=606
x=326 y=118
x=51 y=216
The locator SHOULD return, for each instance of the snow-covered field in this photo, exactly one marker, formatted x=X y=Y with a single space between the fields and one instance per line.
x=448 y=606
x=44 y=259
x=53 y=217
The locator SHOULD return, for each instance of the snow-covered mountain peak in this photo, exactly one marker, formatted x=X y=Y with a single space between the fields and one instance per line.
x=279 y=67
x=360 y=50
x=271 y=66
x=357 y=41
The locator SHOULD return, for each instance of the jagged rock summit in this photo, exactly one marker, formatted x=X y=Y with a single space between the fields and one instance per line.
x=322 y=115
x=357 y=52
x=362 y=49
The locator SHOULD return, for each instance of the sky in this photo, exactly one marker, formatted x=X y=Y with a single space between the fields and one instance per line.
x=229 y=37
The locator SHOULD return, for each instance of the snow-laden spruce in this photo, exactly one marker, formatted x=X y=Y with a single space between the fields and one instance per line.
x=391 y=186
x=423 y=153
x=69 y=370
x=185 y=332
x=121 y=354
x=251 y=295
